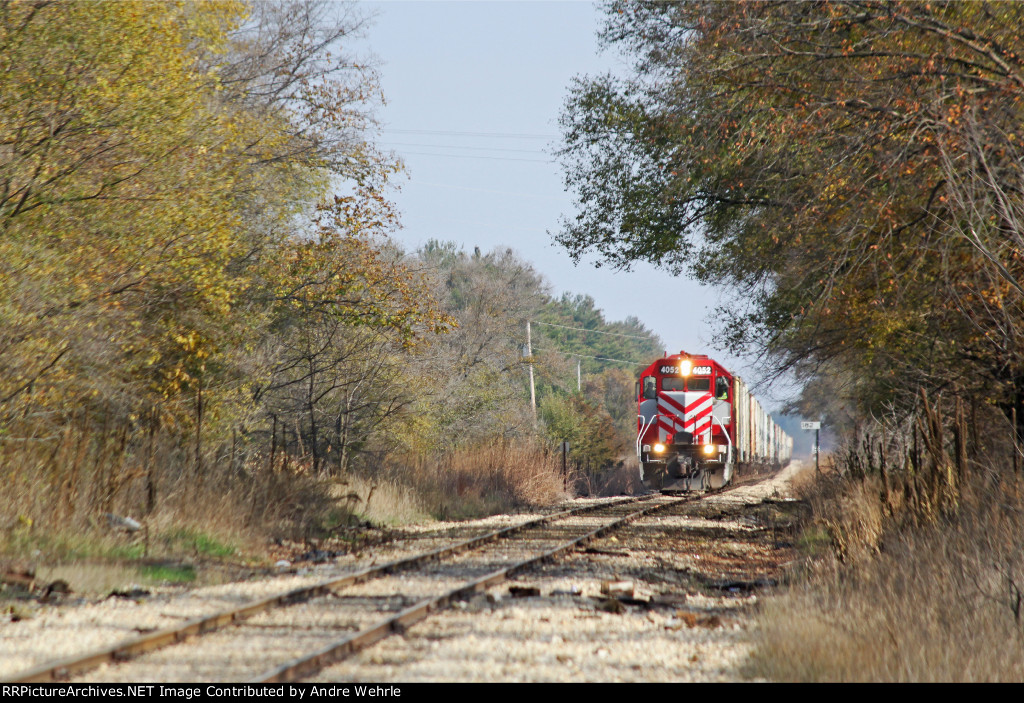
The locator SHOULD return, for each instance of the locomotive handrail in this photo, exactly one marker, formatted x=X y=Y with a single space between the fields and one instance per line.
x=644 y=426
x=726 y=433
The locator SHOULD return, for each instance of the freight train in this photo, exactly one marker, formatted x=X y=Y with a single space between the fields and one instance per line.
x=698 y=425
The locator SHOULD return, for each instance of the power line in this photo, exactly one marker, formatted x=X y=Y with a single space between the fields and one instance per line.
x=584 y=356
x=584 y=329
x=483 y=190
x=453 y=133
x=472 y=156
x=470 y=148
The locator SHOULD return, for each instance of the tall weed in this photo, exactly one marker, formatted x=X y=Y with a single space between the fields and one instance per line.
x=923 y=575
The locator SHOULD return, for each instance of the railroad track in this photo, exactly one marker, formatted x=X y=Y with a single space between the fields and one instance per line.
x=306 y=629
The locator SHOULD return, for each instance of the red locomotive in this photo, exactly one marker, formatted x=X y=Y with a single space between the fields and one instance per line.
x=697 y=423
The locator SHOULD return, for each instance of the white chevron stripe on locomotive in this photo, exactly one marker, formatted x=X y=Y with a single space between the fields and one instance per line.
x=699 y=414
x=670 y=415
x=691 y=410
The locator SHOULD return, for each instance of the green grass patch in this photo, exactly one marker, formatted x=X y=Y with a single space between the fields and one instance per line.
x=125 y=552
x=166 y=573
x=814 y=541
x=331 y=520
x=63 y=547
x=89 y=546
x=200 y=543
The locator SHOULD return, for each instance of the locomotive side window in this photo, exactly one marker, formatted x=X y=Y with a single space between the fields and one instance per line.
x=699 y=384
x=722 y=388
x=673 y=384
x=650 y=387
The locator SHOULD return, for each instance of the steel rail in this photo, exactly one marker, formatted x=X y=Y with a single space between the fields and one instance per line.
x=309 y=664
x=127 y=649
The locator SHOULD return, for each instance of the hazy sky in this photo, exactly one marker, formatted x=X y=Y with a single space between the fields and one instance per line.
x=474 y=90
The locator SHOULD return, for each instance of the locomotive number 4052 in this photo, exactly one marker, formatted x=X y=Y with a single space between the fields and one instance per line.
x=696 y=371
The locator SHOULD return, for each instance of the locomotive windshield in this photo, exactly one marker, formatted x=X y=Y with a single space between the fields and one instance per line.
x=699 y=384
x=676 y=383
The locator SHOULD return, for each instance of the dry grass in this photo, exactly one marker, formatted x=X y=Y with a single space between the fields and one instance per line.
x=621 y=479
x=478 y=481
x=939 y=601
x=850 y=512
x=380 y=500
x=54 y=495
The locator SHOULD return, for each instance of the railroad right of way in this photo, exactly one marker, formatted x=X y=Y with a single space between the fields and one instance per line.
x=299 y=632
x=287 y=631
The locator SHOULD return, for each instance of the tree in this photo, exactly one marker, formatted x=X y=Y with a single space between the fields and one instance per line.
x=478 y=369
x=116 y=213
x=593 y=441
x=574 y=326
x=346 y=316
x=167 y=214
x=853 y=167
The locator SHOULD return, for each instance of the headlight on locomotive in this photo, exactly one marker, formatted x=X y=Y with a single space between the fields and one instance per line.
x=659 y=448
x=710 y=449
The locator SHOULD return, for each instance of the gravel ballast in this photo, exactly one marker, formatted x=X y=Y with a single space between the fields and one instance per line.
x=682 y=621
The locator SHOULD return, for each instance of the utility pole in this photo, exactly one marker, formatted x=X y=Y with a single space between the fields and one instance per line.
x=533 y=392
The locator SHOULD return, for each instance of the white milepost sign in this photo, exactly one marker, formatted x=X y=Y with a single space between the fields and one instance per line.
x=810 y=425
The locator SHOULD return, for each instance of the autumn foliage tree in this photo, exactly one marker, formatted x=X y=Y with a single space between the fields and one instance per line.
x=192 y=225
x=345 y=317
x=853 y=167
x=474 y=381
x=103 y=114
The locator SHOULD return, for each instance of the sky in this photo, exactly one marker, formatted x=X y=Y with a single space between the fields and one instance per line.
x=473 y=93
